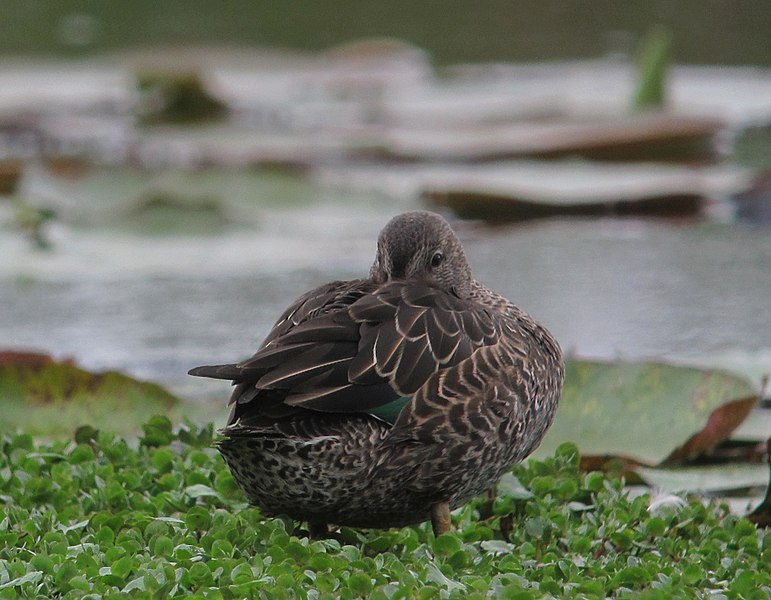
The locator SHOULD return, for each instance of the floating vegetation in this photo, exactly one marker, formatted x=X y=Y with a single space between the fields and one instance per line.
x=163 y=518
x=32 y=222
x=43 y=396
x=176 y=97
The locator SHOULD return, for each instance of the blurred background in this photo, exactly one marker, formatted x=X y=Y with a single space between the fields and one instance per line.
x=173 y=174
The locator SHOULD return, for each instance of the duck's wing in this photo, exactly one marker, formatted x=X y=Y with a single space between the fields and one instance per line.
x=376 y=353
x=357 y=347
x=313 y=304
x=305 y=347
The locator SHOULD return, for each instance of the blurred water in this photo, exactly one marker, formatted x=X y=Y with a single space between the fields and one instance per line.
x=156 y=306
x=239 y=245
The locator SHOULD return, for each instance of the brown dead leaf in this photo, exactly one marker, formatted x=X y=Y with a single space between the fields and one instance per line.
x=721 y=422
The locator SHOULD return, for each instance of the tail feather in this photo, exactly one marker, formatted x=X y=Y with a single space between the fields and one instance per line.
x=231 y=372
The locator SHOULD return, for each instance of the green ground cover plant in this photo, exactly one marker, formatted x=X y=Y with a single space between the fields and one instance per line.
x=98 y=516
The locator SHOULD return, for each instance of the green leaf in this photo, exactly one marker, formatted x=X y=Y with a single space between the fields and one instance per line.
x=497 y=547
x=200 y=574
x=122 y=567
x=138 y=583
x=360 y=584
x=157 y=431
x=654 y=61
x=510 y=485
x=163 y=546
x=163 y=459
x=74 y=526
x=242 y=574
x=85 y=434
x=31 y=577
x=647 y=412
x=169 y=519
x=200 y=490
x=82 y=453
x=41 y=562
x=66 y=571
x=536 y=527
x=447 y=544
x=435 y=575
x=198 y=518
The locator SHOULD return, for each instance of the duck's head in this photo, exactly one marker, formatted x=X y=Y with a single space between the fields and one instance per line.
x=421 y=245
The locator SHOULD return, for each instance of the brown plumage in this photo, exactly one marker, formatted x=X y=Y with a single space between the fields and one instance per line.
x=390 y=400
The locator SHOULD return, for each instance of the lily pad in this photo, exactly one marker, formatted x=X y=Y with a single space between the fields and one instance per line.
x=647 y=413
x=709 y=478
x=657 y=136
x=44 y=396
x=520 y=190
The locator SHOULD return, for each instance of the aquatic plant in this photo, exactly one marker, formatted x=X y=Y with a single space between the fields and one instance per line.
x=162 y=517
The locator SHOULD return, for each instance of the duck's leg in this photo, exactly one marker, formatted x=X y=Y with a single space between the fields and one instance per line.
x=440 y=518
x=486 y=508
x=317 y=530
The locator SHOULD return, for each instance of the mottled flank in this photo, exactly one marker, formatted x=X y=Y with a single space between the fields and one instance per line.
x=478 y=379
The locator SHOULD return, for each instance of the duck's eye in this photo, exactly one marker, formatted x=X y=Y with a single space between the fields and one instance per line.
x=437 y=259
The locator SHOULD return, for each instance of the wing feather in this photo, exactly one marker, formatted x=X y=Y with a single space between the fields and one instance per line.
x=409 y=321
x=388 y=348
x=304 y=365
x=344 y=398
x=425 y=331
x=362 y=368
x=416 y=366
x=356 y=347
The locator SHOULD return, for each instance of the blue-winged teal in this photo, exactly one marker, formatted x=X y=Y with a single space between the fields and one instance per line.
x=386 y=401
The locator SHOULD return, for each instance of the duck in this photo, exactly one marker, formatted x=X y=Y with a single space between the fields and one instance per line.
x=393 y=399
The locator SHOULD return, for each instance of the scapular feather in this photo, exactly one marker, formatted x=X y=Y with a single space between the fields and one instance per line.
x=409 y=321
x=388 y=347
x=415 y=367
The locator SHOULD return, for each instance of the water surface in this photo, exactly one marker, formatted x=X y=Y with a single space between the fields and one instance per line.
x=156 y=306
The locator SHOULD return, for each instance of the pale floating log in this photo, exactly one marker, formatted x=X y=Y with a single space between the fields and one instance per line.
x=647 y=136
x=533 y=189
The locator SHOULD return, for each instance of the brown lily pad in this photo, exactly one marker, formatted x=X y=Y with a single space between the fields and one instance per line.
x=721 y=422
x=492 y=207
